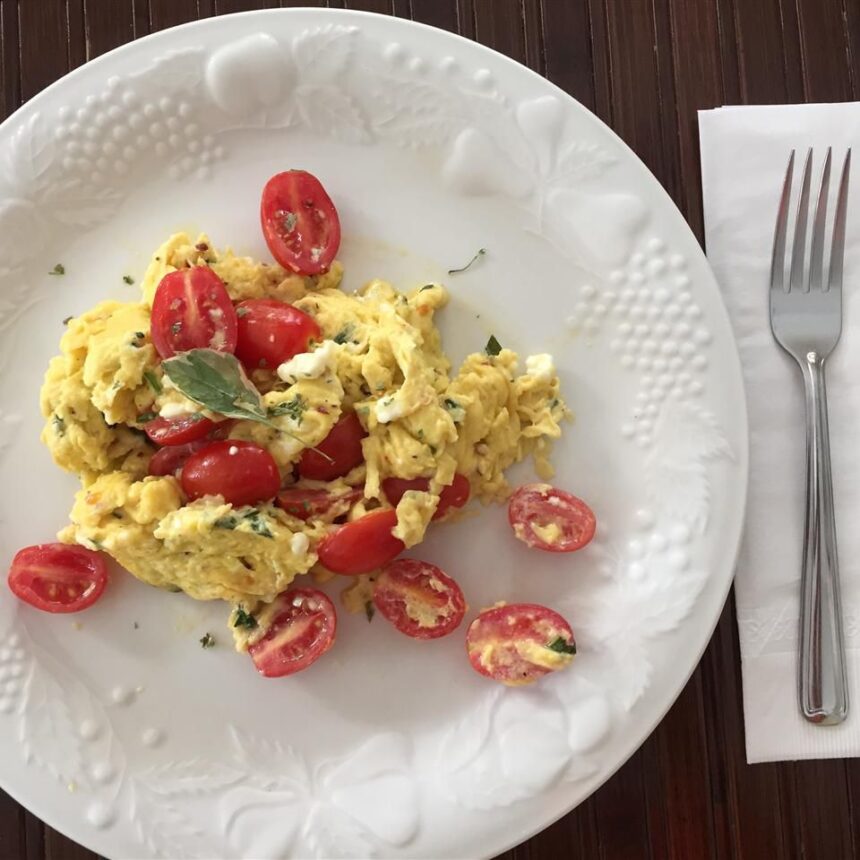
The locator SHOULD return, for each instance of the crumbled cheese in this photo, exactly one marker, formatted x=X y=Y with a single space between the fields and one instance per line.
x=389 y=409
x=176 y=410
x=299 y=543
x=541 y=367
x=309 y=365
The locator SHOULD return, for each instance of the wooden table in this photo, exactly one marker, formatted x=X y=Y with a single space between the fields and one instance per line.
x=644 y=67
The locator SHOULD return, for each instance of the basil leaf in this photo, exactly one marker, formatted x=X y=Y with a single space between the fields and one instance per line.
x=493 y=347
x=217 y=381
x=561 y=647
x=481 y=253
x=153 y=381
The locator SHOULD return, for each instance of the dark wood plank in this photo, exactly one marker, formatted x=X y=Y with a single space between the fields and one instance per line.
x=383 y=7
x=566 y=36
x=43 y=44
x=745 y=800
x=826 y=70
x=108 y=25
x=696 y=82
x=10 y=69
x=499 y=24
x=437 y=13
x=637 y=99
x=758 y=31
x=226 y=7
x=169 y=13
x=533 y=36
x=822 y=797
x=686 y=775
x=621 y=813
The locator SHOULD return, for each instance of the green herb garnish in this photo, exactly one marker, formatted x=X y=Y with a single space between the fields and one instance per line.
x=493 y=347
x=369 y=609
x=146 y=417
x=228 y=522
x=176 y=327
x=481 y=253
x=244 y=619
x=294 y=408
x=344 y=334
x=59 y=269
x=426 y=287
x=242 y=312
x=153 y=381
x=207 y=640
x=67 y=320
x=561 y=647
x=136 y=340
x=59 y=425
x=130 y=280
x=258 y=525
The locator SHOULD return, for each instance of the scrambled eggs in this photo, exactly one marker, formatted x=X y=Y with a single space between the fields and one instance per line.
x=381 y=357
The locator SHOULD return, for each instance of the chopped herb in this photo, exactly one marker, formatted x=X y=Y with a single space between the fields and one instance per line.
x=294 y=408
x=59 y=269
x=207 y=640
x=344 y=334
x=561 y=647
x=306 y=505
x=451 y=403
x=244 y=619
x=242 y=312
x=136 y=342
x=176 y=327
x=117 y=514
x=153 y=381
x=258 y=525
x=225 y=523
x=59 y=425
x=146 y=417
x=139 y=335
x=128 y=279
x=493 y=347
x=432 y=448
x=369 y=609
x=481 y=253
x=67 y=320
x=420 y=434
x=426 y=287
x=553 y=403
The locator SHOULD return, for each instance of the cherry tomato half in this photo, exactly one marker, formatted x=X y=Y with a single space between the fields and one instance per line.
x=306 y=503
x=56 y=577
x=171 y=458
x=192 y=310
x=342 y=446
x=303 y=628
x=545 y=518
x=179 y=430
x=518 y=643
x=362 y=545
x=272 y=332
x=300 y=223
x=455 y=495
x=419 y=599
x=242 y=472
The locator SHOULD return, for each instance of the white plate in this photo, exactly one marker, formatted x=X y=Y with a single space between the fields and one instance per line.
x=116 y=727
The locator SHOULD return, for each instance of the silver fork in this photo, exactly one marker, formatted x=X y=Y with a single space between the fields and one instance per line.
x=806 y=319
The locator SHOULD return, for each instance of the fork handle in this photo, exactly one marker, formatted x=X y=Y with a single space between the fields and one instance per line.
x=822 y=682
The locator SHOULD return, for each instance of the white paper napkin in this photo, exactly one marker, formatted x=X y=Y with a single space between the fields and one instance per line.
x=744 y=155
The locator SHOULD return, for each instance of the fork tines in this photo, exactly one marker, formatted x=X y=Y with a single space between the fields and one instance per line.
x=815 y=275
